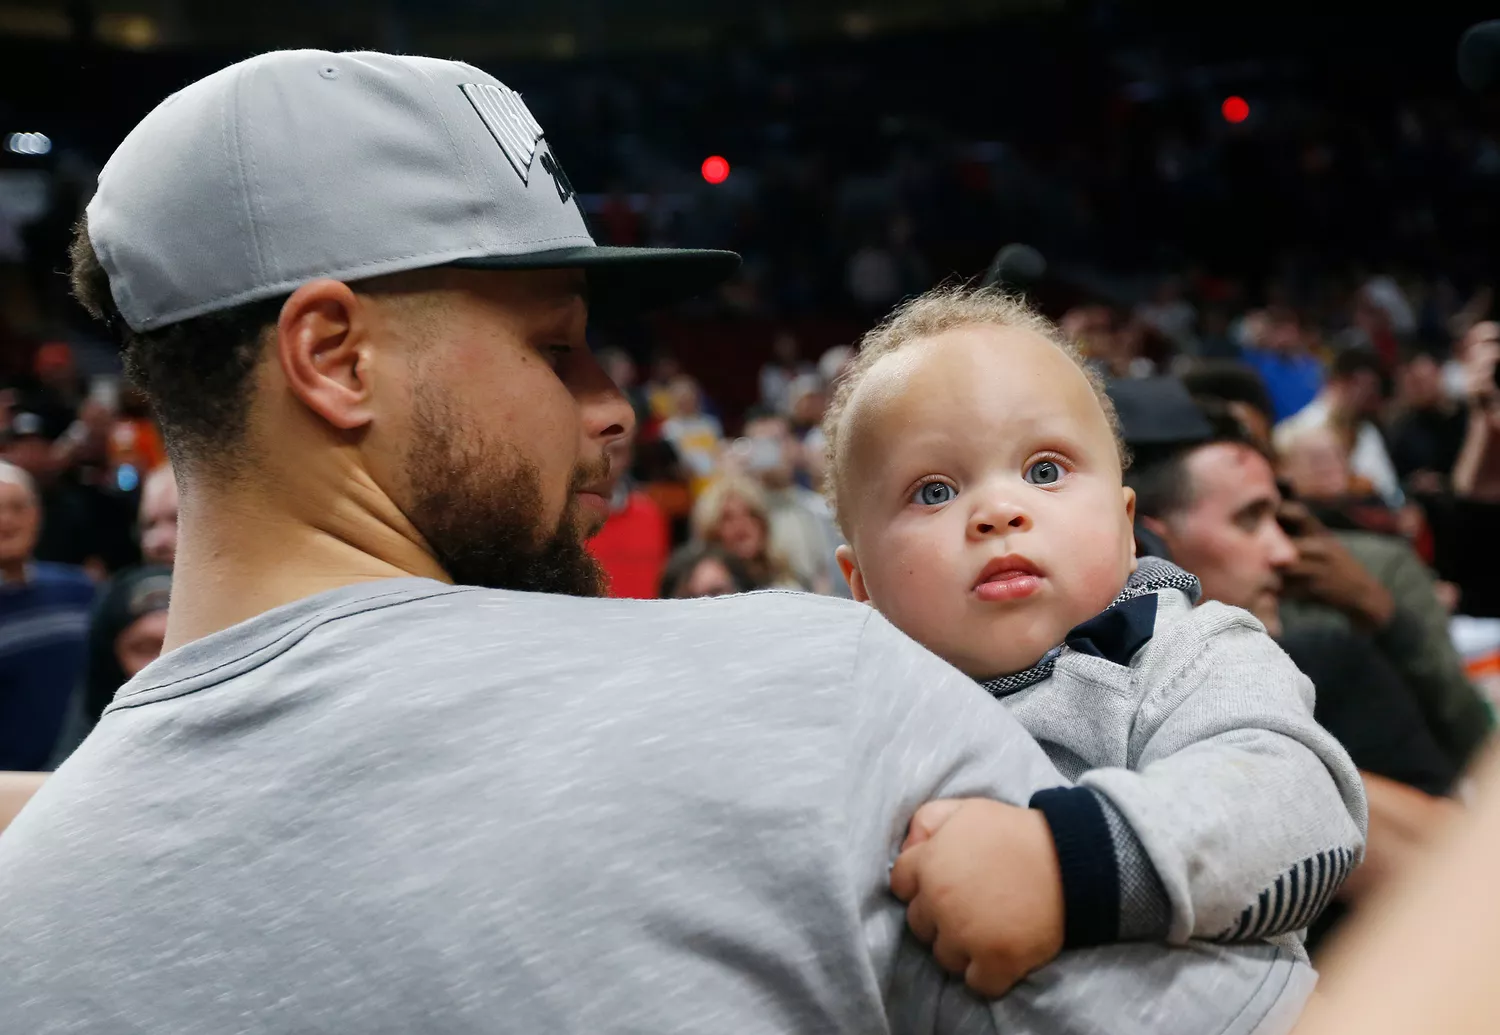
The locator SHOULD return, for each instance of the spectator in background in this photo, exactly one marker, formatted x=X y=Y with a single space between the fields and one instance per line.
x=126 y=597
x=802 y=530
x=776 y=376
x=701 y=570
x=1348 y=405
x=696 y=437
x=43 y=623
x=59 y=391
x=1240 y=390
x=1171 y=315
x=733 y=513
x=807 y=398
x=633 y=545
x=1215 y=506
x=1274 y=346
x=125 y=634
x=158 y=517
x=1429 y=428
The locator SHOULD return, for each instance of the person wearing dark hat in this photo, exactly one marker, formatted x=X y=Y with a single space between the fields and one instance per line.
x=396 y=770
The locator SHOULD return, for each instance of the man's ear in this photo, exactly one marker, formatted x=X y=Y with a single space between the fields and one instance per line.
x=849 y=565
x=322 y=343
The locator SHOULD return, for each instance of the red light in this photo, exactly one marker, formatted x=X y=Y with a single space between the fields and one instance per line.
x=715 y=169
x=1235 y=109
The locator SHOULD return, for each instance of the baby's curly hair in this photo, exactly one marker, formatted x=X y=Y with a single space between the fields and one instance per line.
x=944 y=308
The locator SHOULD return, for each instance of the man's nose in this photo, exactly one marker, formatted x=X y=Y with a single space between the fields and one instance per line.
x=1281 y=551
x=607 y=414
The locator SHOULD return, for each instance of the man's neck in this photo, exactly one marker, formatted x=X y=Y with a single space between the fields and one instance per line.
x=238 y=558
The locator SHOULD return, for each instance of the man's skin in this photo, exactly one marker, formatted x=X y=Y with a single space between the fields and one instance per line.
x=331 y=423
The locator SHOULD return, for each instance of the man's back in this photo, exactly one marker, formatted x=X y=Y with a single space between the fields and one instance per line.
x=404 y=807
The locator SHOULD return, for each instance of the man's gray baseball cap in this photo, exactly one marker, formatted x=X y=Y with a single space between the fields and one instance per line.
x=303 y=164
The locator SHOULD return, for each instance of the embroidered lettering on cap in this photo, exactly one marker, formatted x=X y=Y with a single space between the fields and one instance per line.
x=509 y=121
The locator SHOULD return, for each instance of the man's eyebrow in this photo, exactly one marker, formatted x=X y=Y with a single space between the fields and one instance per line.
x=1255 y=508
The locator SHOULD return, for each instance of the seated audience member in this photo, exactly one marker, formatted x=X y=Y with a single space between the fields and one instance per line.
x=1241 y=391
x=1428 y=431
x=44 y=612
x=1349 y=404
x=696 y=436
x=158 y=517
x=701 y=570
x=802 y=530
x=1350 y=579
x=776 y=376
x=733 y=513
x=125 y=634
x=1276 y=347
x=1215 y=508
x=633 y=545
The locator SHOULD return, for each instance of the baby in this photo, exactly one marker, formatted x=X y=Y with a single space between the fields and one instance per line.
x=976 y=470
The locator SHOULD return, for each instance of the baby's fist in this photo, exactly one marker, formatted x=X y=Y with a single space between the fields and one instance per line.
x=983 y=888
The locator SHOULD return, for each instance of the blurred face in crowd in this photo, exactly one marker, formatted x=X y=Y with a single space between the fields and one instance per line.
x=1362 y=393
x=139 y=643
x=986 y=515
x=20 y=517
x=1315 y=463
x=1227 y=534
x=685 y=401
x=159 y=518
x=481 y=413
x=741 y=530
x=709 y=579
x=1422 y=383
x=772 y=456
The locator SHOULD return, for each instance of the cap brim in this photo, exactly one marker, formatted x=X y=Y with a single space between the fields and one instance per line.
x=626 y=280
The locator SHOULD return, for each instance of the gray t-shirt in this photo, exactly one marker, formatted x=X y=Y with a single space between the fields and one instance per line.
x=406 y=807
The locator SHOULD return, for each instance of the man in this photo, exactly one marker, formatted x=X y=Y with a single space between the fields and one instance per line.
x=1353 y=583
x=1349 y=404
x=802 y=530
x=1215 y=507
x=43 y=624
x=357 y=795
x=1428 y=435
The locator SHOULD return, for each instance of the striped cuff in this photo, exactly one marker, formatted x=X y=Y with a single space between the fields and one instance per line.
x=1086 y=858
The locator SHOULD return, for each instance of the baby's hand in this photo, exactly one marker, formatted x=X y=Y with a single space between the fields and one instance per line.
x=983 y=888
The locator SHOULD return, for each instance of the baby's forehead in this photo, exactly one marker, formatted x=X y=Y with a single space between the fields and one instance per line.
x=982 y=366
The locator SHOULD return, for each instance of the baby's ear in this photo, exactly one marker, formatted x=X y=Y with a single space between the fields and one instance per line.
x=1129 y=495
x=849 y=565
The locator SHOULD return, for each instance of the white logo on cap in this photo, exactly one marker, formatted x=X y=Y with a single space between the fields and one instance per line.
x=509 y=121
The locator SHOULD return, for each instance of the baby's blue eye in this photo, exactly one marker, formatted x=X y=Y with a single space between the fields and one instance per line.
x=934 y=494
x=1043 y=472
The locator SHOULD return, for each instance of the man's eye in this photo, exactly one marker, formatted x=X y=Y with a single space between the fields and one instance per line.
x=556 y=354
x=1044 y=472
x=934 y=494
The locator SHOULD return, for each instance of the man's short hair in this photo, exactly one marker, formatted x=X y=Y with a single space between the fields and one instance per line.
x=196 y=373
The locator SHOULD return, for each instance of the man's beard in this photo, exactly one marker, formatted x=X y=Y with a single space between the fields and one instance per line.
x=480 y=510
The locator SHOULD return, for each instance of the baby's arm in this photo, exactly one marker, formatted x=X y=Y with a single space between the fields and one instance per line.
x=1250 y=812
